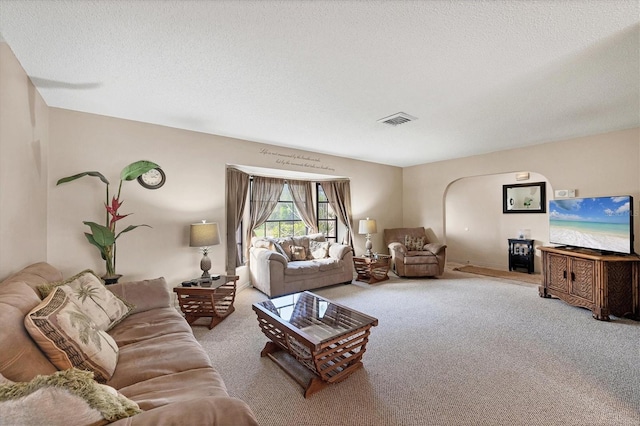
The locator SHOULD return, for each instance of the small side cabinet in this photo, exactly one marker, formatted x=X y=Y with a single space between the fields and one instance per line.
x=521 y=254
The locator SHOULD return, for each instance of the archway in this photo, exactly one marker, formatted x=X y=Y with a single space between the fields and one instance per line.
x=475 y=228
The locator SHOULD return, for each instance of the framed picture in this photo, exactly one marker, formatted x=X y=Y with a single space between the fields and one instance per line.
x=524 y=198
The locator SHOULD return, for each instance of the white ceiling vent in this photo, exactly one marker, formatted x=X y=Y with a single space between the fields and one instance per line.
x=396 y=119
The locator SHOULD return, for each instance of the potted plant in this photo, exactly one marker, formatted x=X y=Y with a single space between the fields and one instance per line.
x=104 y=236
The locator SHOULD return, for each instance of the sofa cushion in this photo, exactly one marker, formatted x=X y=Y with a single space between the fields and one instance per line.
x=94 y=299
x=20 y=358
x=158 y=356
x=66 y=397
x=176 y=387
x=69 y=338
x=147 y=325
x=144 y=294
x=303 y=267
x=328 y=264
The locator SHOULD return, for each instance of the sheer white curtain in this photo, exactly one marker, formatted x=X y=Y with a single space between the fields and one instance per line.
x=301 y=193
x=265 y=194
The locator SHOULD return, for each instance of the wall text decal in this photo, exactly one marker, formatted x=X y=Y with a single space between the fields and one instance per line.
x=299 y=160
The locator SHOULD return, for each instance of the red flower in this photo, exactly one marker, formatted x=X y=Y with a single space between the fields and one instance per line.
x=113 y=211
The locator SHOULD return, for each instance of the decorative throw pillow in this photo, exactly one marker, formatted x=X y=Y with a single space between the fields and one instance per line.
x=278 y=248
x=69 y=338
x=413 y=243
x=319 y=250
x=65 y=397
x=285 y=246
x=94 y=298
x=266 y=244
x=298 y=253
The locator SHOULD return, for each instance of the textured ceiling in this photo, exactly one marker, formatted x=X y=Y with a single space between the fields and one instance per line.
x=480 y=76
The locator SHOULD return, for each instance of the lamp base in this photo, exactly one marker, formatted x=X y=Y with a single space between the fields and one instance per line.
x=368 y=246
x=205 y=265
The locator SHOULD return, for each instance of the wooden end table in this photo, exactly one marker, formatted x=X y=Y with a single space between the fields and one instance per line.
x=215 y=301
x=372 y=269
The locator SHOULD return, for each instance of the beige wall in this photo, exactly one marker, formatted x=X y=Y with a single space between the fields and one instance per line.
x=39 y=221
x=24 y=126
x=606 y=164
x=195 y=167
x=477 y=231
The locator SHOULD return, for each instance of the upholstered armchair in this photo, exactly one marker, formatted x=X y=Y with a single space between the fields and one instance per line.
x=413 y=255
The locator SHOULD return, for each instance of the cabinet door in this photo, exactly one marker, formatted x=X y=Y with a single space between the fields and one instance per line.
x=582 y=279
x=557 y=271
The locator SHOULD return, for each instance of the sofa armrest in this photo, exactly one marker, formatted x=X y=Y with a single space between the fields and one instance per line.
x=434 y=248
x=264 y=255
x=339 y=251
x=219 y=411
x=397 y=249
x=145 y=294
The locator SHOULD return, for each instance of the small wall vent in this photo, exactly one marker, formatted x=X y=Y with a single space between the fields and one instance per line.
x=397 y=119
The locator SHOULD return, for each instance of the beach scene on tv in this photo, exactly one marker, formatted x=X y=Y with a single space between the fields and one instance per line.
x=602 y=223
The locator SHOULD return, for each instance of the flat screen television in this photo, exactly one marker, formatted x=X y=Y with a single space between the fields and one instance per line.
x=599 y=223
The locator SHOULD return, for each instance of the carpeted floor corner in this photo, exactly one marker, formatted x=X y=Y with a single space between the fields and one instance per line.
x=461 y=349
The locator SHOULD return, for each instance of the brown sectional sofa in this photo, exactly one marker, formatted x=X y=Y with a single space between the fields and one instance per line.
x=160 y=364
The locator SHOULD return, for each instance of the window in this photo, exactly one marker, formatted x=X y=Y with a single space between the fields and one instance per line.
x=284 y=220
x=327 y=219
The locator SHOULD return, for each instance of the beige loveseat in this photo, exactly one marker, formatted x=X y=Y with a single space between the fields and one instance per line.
x=276 y=270
x=413 y=254
x=160 y=366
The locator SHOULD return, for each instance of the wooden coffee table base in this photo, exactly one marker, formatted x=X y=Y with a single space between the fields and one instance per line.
x=327 y=363
x=310 y=382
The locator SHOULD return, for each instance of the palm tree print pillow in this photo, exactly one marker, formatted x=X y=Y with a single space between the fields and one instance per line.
x=94 y=299
x=69 y=338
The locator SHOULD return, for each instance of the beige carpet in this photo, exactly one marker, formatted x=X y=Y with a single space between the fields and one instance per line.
x=496 y=273
x=462 y=349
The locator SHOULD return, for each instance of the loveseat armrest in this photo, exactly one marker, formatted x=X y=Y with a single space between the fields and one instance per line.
x=264 y=255
x=434 y=248
x=219 y=411
x=145 y=294
x=339 y=251
x=397 y=249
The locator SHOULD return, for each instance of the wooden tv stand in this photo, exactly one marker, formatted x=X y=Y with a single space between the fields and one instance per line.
x=605 y=284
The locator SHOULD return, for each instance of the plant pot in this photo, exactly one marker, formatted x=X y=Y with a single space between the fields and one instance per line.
x=111 y=279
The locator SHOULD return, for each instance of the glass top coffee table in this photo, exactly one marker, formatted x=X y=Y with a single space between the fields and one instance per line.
x=316 y=341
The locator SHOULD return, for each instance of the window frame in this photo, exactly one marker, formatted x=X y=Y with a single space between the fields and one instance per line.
x=319 y=220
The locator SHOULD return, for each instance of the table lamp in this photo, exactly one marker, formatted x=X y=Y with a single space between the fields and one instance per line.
x=368 y=227
x=204 y=235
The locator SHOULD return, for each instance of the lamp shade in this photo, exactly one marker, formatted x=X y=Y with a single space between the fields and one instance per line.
x=204 y=235
x=367 y=226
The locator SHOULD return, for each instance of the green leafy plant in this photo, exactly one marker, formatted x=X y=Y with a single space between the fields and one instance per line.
x=104 y=236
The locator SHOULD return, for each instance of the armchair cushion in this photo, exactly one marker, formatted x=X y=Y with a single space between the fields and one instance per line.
x=413 y=243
